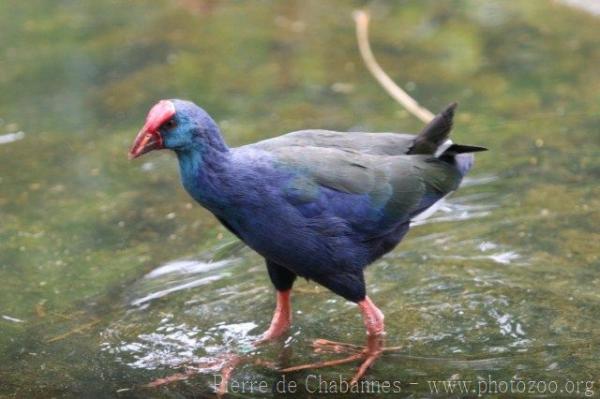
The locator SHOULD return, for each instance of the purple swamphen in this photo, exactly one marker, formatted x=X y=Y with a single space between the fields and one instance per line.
x=317 y=204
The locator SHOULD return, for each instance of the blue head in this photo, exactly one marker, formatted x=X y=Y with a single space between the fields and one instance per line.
x=178 y=125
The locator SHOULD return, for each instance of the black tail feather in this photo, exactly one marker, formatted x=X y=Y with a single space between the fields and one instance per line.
x=435 y=133
x=461 y=149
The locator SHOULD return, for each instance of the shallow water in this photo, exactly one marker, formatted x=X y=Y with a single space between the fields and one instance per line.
x=112 y=277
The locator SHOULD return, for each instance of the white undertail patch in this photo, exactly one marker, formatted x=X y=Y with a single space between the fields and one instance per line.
x=442 y=148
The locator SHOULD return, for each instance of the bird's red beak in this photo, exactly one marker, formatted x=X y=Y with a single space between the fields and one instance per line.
x=149 y=137
x=146 y=141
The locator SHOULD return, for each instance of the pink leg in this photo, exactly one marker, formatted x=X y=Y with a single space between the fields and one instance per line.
x=282 y=318
x=372 y=317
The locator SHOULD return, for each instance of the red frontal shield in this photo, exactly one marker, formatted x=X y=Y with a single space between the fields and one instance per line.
x=149 y=137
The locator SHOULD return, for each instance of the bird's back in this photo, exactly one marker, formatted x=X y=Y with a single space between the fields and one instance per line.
x=361 y=142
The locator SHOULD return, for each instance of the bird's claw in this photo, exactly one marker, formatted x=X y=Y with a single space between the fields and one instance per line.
x=368 y=354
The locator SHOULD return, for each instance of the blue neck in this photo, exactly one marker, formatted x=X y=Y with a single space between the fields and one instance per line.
x=203 y=172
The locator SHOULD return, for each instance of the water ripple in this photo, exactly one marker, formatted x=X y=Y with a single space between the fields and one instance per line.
x=11 y=137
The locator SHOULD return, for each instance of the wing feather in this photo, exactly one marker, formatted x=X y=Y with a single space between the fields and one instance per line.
x=365 y=143
x=394 y=185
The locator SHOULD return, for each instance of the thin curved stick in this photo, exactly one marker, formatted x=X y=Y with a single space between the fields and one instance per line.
x=361 y=19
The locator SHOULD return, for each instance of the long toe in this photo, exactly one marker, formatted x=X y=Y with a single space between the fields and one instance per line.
x=224 y=364
x=326 y=346
x=368 y=359
x=371 y=352
x=322 y=364
x=368 y=354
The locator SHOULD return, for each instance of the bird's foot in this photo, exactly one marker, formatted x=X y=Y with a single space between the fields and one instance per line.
x=367 y=354
x=223 y=364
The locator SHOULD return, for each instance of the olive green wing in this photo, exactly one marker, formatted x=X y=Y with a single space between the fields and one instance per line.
x=366 y=143
x=394 y=185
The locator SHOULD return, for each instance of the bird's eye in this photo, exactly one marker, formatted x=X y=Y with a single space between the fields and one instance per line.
x=170 y=124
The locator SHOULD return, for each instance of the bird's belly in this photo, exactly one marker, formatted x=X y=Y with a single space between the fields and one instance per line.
x=304 y=247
